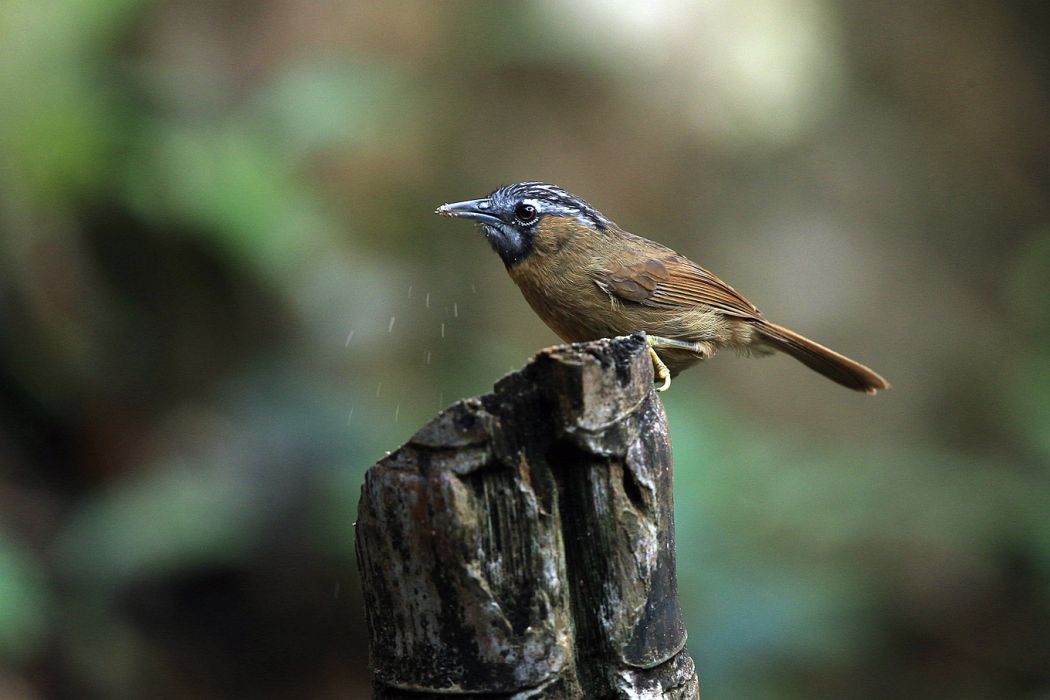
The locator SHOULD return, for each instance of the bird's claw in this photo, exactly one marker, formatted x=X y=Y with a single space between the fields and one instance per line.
x=660 y=371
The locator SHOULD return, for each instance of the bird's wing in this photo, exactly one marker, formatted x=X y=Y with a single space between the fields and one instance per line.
x=673 y=281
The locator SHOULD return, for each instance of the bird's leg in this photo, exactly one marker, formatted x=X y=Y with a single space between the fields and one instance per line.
x=660 y=371
x=659 y=368
x=704 y=350
x=701 y=349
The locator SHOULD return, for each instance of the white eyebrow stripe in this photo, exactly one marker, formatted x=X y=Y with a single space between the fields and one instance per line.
x=547 y=207
x=551 y=199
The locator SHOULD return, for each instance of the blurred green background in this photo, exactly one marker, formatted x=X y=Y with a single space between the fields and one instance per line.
x=224 y=294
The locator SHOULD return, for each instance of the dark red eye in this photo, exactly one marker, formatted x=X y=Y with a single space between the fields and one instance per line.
x=526 y=213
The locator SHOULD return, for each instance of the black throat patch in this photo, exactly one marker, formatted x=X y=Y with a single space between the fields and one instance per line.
x=512 y=245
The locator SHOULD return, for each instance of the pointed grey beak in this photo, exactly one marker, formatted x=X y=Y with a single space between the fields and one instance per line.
x=476 y=209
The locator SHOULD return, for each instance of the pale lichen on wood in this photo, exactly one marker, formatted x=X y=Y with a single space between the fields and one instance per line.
x=521 y=544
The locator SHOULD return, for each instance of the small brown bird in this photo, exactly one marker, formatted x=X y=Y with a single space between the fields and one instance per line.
x=587 y=279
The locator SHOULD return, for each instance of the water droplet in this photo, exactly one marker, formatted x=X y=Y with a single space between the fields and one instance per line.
x=350 y=417
x=390 y=328
x=426 y=357
x=442 y=330
x=409 y=291
x=428 y=300
x=348 y=339
x=397 y=412
x=455 y=309
x=379 y=388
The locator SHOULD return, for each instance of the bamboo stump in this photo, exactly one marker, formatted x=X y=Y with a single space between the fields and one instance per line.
x=521 y=544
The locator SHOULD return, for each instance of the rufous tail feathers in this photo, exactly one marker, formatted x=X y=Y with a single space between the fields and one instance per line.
x=836 y=367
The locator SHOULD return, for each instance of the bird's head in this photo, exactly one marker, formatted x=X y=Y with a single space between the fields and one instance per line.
x=515 y=217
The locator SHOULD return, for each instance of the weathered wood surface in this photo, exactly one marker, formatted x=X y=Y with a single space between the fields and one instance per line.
x=521 y=545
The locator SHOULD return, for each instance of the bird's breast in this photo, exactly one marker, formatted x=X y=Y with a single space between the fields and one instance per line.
x=560 y=289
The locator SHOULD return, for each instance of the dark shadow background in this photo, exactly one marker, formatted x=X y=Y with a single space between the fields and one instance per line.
x=223 y=295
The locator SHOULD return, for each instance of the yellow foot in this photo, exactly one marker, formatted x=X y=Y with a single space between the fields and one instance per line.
x=703 y=350
x=660 y=371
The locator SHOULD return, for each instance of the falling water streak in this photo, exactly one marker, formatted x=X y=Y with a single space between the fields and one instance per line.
x=441 y=400
x=473 y=289
x=348 y=339
x=455 y=309
x=350 y=416
x=428 y=300
x=397 y=412
x=379 y=388
x=390 y=328
x=409 y=291
x=426 y=359
x=442 y=330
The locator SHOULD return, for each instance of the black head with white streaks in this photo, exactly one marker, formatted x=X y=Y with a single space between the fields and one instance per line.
x=511 y=215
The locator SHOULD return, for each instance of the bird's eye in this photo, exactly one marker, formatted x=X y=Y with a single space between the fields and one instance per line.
x=526 y=213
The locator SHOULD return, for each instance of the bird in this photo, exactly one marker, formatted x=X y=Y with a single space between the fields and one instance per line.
x=587 y=279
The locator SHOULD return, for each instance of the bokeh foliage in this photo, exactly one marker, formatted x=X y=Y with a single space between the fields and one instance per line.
x=223 y=295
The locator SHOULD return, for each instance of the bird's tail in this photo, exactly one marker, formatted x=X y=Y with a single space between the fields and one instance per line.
x=836 y=367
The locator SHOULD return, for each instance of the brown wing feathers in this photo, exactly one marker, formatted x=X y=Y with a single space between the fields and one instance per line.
x=677 y=281
x=637 y=282
x=674 y=281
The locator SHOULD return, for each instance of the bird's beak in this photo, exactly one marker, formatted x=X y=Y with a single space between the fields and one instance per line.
x=476 y=209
